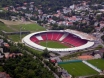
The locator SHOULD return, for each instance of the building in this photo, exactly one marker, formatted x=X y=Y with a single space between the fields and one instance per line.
x=4 y=75
x=1 y=41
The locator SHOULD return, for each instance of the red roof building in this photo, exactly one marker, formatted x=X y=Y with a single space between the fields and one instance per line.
x=4 y=75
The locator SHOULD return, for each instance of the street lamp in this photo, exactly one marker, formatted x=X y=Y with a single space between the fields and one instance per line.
x=20 y=31
x=46 y=40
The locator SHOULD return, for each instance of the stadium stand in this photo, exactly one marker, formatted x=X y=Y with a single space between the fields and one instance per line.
x=73 y=38
x=55 y=35
x=59 y=36
x=64 y=36
x=49 y=35
x=34 y=39
x=39 y=37
x=43 y=36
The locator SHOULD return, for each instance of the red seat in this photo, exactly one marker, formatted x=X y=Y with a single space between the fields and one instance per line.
x=34 y=39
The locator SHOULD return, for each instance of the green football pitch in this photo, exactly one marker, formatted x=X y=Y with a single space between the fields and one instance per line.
x=3 y=27
x=78 y=69
x=16 y=28
x=52 y=44
x=99 y=63
x=24 y=27
x=29 y=27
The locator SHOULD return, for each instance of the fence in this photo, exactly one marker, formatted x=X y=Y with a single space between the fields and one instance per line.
x=69 y=61
x=12 y=33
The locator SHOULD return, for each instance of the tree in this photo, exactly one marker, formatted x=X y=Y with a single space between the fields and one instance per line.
x=93 y=53
x=13 y=49
x=102 y=37
x=26 y=67
x=99 y=17
x=73 y=76
x=103 y=54
x=102 y=29
x=99 y=47
x=46 y=53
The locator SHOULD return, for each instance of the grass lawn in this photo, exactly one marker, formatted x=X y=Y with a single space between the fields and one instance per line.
x=29 y=27
x=99 y=63
x=35 y=51
x=53 y=44
x=25 y=27
x=1 y=68
x=78 y=69
x=3 y=27
x=16 y=37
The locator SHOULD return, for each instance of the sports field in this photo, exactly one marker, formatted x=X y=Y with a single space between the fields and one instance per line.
x=28 y=27
x=3 y=27
x=7 y=25
x=99 y=63
x=52 y=44
x=32 y=27
x=16 y=37
x=78 y=69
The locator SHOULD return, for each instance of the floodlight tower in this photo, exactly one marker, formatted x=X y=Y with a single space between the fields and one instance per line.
x=46 y=40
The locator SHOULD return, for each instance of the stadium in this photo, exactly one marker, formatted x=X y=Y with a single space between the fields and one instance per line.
x=74 y=40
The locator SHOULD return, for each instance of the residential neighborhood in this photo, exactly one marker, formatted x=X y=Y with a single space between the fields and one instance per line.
x=74 y=16
x=52 y=39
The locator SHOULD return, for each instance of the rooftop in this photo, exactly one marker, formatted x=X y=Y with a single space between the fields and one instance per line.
x=85 y=57
x=4 y=75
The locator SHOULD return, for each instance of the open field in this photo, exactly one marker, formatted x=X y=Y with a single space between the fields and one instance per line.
x=28 y=27
x=8 y=22
x=3 y=27
x=99 y=63
x=53 y=44
x=16 y=37
x=24 y=27
x=78 y=69
x=15 y=27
